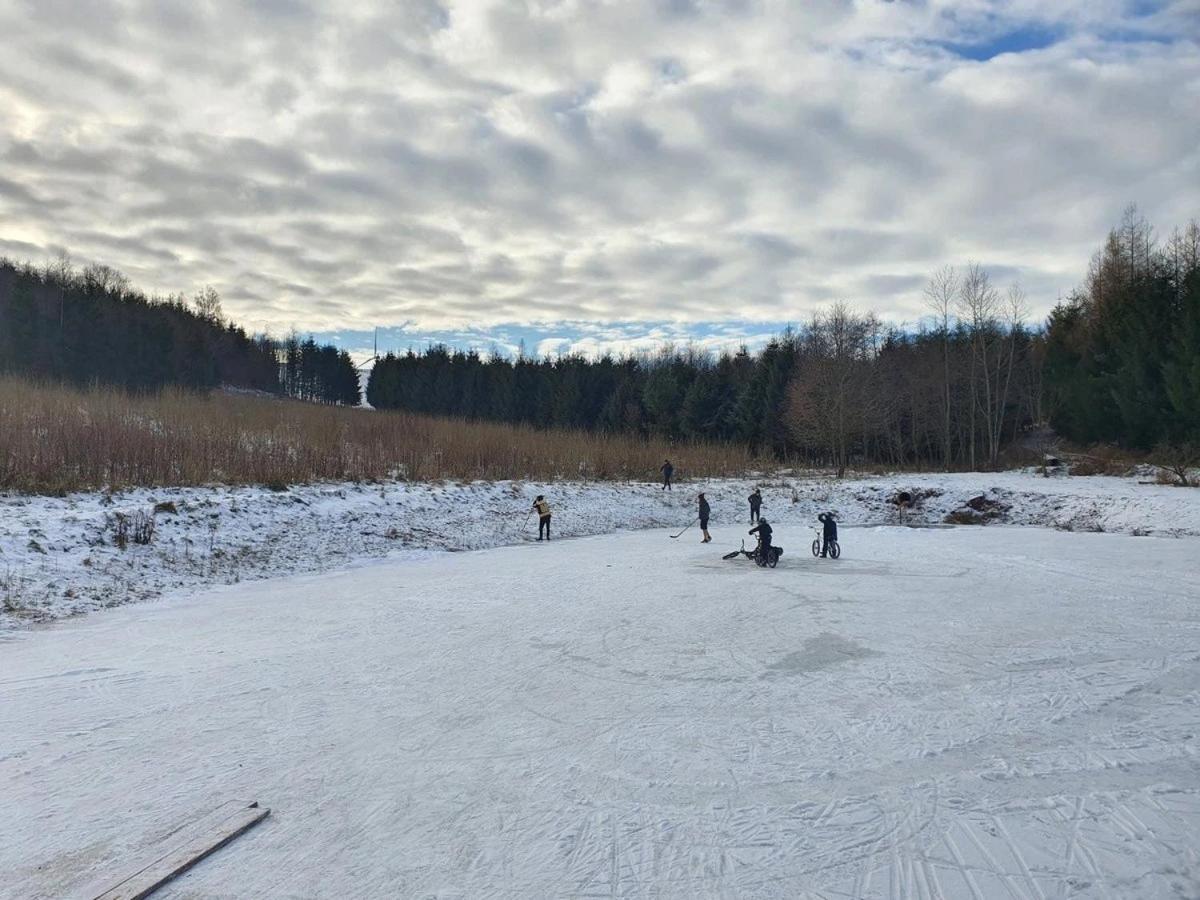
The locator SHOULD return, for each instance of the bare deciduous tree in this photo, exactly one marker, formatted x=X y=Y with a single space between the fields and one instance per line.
x=993 y=326
x=941 y=295
x=977 y=304
x=208 y=304
x=831 y=397
x=102 y=278
x=61 y=272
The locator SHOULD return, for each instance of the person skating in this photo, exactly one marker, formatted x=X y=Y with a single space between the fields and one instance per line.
x=755 y=505
x=543 y=511
x=763 y=530
x=828 y=532
x=705 y=509
x=667 y=469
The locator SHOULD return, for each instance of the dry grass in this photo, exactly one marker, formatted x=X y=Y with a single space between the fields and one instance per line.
x=55 y=439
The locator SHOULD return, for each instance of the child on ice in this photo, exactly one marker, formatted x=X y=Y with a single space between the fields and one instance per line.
x=828 y=531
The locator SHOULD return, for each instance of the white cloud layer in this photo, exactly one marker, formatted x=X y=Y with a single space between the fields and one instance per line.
x=465 y=162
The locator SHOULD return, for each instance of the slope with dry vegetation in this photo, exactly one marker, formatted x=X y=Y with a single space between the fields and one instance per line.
x=55 y=439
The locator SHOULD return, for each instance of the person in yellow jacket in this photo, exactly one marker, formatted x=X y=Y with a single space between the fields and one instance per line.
x=543 y=511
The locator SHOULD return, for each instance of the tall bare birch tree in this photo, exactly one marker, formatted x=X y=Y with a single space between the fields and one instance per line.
x=941 y=295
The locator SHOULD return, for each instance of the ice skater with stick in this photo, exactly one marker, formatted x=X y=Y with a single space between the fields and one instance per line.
x=543 y=510
x=704 y=511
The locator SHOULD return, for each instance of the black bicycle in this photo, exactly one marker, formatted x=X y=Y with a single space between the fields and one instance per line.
x=761 y=559
x=834 y=549
x=768 y=558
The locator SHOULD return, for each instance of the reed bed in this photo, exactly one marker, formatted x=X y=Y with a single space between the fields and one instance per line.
x=55 y=439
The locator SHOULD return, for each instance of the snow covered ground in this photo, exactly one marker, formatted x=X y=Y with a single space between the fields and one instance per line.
x=58 y=556
x=954 y=712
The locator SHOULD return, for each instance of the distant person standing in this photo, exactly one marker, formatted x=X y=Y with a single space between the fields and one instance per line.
x=755 y=505
x=667 y=470
x=543 y=511
x=705 y=509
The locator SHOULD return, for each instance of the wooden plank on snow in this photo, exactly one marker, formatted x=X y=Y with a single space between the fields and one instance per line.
x=186 y=847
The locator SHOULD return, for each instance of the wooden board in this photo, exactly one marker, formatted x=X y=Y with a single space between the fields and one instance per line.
x=186 y=847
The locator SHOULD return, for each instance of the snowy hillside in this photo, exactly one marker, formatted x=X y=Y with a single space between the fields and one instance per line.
x=58 y=556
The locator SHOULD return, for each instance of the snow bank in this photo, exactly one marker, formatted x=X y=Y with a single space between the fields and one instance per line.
x=59 y=556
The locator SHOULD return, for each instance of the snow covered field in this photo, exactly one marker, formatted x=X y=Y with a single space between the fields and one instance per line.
x=954 y=712
x=58 y=556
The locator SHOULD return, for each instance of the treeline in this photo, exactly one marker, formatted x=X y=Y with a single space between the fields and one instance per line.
x=841 y=388
x=1123 y=352
x=92 y=326
x=1118 y=362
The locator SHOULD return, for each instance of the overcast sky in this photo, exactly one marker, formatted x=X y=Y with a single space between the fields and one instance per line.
x=562 y=170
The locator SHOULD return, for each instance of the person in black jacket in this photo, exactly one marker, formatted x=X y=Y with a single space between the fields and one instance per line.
x=755 y=505
x=828 y=531
x=763 y=530
x=705 y=509
x=667 y=469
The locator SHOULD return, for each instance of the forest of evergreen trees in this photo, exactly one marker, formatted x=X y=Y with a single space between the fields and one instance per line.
x=1118 y=362
x=91 y=326
x=1123 y=352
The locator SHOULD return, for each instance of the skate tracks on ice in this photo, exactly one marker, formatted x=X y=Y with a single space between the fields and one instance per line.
x=997 y=713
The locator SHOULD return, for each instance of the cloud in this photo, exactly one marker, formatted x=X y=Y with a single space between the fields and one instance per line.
x=552 y=339
x=477 y=166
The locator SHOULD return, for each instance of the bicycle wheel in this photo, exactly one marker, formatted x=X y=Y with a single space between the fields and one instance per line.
x=773 y=558
x=817 y=547
x=835 y=549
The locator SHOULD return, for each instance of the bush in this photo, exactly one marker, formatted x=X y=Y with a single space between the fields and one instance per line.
x=1177 y=464
x=1102 y=459
x=965 y=516
x=138 y=528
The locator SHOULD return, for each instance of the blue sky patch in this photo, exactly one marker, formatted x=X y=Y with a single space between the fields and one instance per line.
x=1020 y=40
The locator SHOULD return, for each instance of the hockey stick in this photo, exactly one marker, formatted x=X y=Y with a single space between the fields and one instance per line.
x=690 y=524
x=511 y=518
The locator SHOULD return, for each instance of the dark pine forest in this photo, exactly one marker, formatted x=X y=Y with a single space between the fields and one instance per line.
x=92 y=327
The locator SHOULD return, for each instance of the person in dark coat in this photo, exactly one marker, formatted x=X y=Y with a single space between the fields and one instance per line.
x=828 y=531
x=705 y=509
x=763 y=530
x=755 y=505
x=543 y=511
x=667 y=469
